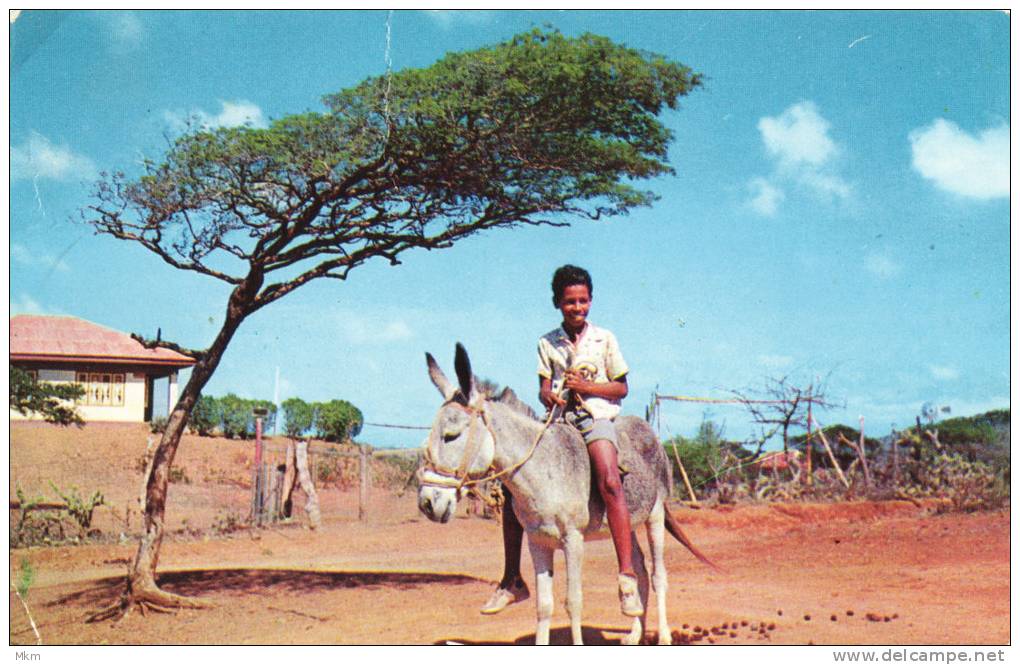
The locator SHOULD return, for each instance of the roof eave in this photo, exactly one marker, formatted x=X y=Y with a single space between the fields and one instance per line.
x=110 y=360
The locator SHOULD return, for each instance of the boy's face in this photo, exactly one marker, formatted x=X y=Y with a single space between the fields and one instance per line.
x=574 y=304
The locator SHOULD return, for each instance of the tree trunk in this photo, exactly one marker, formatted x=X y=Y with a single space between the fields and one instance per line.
x=142 y=588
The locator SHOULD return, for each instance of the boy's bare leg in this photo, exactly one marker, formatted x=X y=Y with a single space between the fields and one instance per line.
x=512 y=588
x=607 y=475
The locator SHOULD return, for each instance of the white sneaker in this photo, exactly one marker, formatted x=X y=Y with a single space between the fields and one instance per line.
x=630 y=599
x=502 y=597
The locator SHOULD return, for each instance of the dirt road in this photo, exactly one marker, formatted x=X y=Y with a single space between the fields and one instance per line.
x=859 y=573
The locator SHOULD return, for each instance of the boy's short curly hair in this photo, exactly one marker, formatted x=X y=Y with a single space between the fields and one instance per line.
x=569 y=275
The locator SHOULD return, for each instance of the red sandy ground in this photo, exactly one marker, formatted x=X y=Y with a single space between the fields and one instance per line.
x=814 y=571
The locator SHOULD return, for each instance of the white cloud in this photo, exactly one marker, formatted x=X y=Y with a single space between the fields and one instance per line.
x=360 y=330
x=448 y=18
x=773 y=361
x=962 y=163
x=25 y=304
x=798 y=136
x=826 y=184
x=24 y=256
x=944 y=373
x=38 y=157
x=232 y=114
x=798 y=141
x=127 y=29
x=765 y=197
x=882 y=266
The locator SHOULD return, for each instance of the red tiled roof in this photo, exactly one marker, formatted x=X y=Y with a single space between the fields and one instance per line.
x=67 y=339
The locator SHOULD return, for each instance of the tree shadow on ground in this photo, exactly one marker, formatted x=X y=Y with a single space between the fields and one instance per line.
x=592 y=636
x=245 y=581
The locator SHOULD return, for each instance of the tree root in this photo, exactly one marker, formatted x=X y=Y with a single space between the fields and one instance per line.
x=147 y=597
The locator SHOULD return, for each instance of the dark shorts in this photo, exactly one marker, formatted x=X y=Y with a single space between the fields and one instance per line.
x=593 y=429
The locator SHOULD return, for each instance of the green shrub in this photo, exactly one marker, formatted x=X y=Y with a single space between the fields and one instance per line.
x=267 y=420
x=337 y=420
x=205 y=417
x=234 y=414
x=158 y=425
x=299 y=417
x=967 y=485
x=79 y=508
x=53 y=401
x=701 y=456
x=179 y=475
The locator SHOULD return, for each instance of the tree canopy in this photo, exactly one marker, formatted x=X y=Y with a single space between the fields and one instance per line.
x=524 y=132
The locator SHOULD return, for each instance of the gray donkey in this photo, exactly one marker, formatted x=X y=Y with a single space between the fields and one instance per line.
x=475 y=438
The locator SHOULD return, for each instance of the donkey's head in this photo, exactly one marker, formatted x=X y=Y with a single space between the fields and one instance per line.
x=460 y=445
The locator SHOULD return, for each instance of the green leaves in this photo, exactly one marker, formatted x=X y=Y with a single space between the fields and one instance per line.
x=53 y=401
x=533 y=130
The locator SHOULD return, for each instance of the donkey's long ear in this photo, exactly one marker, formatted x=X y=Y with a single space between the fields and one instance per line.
x=464 y=377
x=439 y=380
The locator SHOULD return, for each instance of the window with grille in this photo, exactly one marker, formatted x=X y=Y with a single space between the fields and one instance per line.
x=101 y=389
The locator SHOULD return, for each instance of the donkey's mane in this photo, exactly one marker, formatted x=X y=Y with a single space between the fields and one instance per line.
x=509 y=398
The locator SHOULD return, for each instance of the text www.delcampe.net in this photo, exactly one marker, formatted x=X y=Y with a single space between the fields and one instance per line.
x=919 y=656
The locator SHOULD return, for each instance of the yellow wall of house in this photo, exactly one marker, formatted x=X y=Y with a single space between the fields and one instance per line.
x=133 y=409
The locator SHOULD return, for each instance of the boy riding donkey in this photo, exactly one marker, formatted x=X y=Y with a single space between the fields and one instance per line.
x=581 y=372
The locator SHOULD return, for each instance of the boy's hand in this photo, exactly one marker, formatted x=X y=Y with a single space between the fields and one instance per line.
x=573 y=380
x=551 y=399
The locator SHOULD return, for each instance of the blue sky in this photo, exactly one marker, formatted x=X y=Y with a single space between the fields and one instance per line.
x=840 y=209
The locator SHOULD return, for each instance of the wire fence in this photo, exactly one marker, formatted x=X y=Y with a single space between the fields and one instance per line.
x=212 y=479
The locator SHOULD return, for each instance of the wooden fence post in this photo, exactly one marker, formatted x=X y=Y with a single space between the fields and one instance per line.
x=683 y=474
x=365 y=479
x=305 y=478
x=832 y=458
x=809 y=479
x=863 y=455
x=895 y=459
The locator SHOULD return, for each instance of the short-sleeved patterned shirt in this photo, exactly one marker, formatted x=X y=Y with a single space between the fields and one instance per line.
x=596 y=354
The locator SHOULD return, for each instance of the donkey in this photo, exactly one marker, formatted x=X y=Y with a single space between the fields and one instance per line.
x=546 y=468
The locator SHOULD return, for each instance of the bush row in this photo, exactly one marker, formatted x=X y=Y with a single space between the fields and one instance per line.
x=231 y=415
x=337 y=420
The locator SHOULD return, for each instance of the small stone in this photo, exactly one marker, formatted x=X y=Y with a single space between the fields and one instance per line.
x=780 y=612
x=772 y=626
x=849 y=613
x=807 y=617
x=733 y=634
x=744 y=622
x=832 y=618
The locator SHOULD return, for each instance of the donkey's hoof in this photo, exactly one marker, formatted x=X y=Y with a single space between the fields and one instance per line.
x=631 y=639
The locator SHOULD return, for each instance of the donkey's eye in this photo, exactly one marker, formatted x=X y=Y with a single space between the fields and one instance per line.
x=450 y=436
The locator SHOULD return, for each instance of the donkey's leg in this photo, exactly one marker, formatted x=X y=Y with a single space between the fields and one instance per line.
x=637 y=558
x=573 y=550
x=656 y=544
x=542 y=558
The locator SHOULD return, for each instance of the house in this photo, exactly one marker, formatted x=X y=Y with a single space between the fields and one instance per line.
x=117 y=372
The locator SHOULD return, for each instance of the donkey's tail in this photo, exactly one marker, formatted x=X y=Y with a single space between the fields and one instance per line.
x=675 y=530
